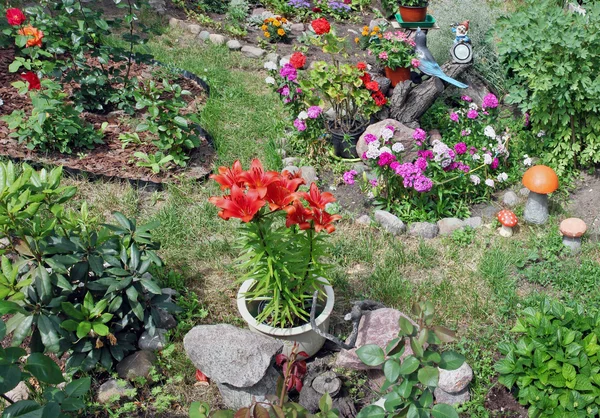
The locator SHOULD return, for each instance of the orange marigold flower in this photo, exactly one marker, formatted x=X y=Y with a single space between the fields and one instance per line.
x=238 y=204
x=267 y=35
x=280 y=32
x=356 y=40
x=264 y=27
x=35 y=35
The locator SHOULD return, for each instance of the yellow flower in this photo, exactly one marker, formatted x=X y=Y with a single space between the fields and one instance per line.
x=284 y=20
x=267 y=35
x=264 y=27
x=365 y=28
x=280 y=32
x=365 y=33
x=376 y=29
x=276 y=23
x=357 y=40
x=373 y=33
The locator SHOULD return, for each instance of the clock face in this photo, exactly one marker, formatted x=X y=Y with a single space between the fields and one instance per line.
x=462 y=52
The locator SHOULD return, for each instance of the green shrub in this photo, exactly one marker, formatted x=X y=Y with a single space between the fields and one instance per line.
x=555 y=363
x=84 y=288
x=552 y=60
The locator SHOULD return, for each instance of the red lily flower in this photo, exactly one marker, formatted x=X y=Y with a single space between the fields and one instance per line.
x=292 y=181
x=32 y=79
x=238 y=204
x=227 y=177
x=316 y=199
x=297 y=214
x=257 y=178
x=324 y=220
x=279 y=196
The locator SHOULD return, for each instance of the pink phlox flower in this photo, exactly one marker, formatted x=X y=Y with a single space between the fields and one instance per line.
x=490 y=101
x=460 y=148
x=383 y=55
x=427 y=154
x=472 y=114
x=415 y=62
x=386 y=158
x=314 y=112
x=466 y=98
x=454 y=117
x=348 y=177
x=495 y=164
x=370 y=138
x=300 y=125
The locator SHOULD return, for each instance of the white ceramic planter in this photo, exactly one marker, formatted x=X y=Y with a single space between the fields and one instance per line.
x=308 y=340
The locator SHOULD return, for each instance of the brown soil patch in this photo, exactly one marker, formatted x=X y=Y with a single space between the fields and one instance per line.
x=502 y=404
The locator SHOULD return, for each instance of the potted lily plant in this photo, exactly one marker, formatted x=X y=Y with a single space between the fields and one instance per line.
x=413 y=10
x=395 y=51
x=282 y=240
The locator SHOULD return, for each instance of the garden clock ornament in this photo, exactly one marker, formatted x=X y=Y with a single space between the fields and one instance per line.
x=461 y=50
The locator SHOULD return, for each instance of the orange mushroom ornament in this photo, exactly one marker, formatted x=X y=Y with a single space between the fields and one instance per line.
x=540 y=180
x=508 y=220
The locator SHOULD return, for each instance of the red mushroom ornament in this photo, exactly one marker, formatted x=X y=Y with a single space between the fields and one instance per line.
x=508 y=220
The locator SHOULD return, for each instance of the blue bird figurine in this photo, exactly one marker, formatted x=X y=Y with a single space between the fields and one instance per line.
x=427 y=62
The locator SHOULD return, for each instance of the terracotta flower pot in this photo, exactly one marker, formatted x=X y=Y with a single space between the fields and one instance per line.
x=397 y=75
x=413 y=14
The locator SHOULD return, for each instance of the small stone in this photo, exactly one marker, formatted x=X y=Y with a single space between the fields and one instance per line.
x=360 y=168
x=449 y=225
x=524 y=192
x=166 y=320
x=435 y=134
x=112 y=389
x=510 y=199
x=258 y=11
x=473 y=222
x=377 y=22
x=136 y=365
x=253 y=51
x=451 y=398
x=309 y=174
x=195 y=29
x=227 y=354
x=423 y=229
x=240 y=397
x=234 y=45
x=159 y=6
x=204 y=35
x=363 y=220
x=217 y=39
x=272 y=57
x=390 y=222
x=18 y=393
x=454 y=381
x=170 y=293
x=174 y=23
x=154 y=343
x=297 y=28
x=291 y=161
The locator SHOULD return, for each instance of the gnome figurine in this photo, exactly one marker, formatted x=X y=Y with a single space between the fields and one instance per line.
x=461 y=31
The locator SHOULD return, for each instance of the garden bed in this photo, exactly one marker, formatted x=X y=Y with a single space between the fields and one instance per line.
x=109 y=159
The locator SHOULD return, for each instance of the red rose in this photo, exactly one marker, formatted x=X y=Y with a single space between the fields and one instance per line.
x=15 y=17
x=298 y=60
x=361 y=66
x=379 y=98
x=32 y=79
x=316 y=10
x=321 y=26
x=372 y=85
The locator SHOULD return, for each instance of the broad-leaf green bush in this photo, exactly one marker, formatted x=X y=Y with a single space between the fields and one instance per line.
x=552 y=60
x=555 y=364
x=85 y=288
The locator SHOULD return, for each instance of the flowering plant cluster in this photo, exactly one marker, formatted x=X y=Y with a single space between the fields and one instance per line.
x=284 y=81
x=393 y=50
x=338 y=9
x=281 y=240
x=275 y=29
x=365 y=36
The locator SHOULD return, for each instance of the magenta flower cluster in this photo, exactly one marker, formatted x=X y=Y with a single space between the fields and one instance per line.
x=460 y=148
x=412 y=176
x=288 y=72
x=472 y=114
x=348 y=177
x=314 y=112
x=490 y=101
x=386 y=158
x=300 y=125
x=419 y=136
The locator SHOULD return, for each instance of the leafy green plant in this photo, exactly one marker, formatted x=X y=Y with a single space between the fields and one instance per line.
x=53 y=123
x=463 y=237
x=156 y=162
x=410 y=383
x=212 y=6
x=552 y=77
x=87 y=289
x=554 y=365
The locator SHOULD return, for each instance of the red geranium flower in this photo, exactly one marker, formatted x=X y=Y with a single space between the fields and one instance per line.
x=316 y=199
x=238 y=204
x=379 y=98
x=324 y=220
x=361 y=66
x=32 y=79
x=257 y=178
x=15 y=17
x=227 y=177
x=372 y=85
x=298 y=60
x=297 y=214
x=321 y=26
x=366 y=78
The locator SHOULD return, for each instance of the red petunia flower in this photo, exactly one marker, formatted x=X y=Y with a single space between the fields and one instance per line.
x=227 y=177
x=321 y=26
x=257 y=178
x=361 y=66
x=32 y=79
x=15 y=17
x=379 y=98
x=238 y=204
x=324 y=220
x=298 y=60
x=372 y=85
x=299 y=215
x=316 y=199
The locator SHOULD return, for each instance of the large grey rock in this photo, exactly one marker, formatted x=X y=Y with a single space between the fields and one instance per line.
x=473 y=222
x=423 y=229
x=291 y=168
x=402 y=134
x=451 y=398
x=376 y=327
x=234 y=45
x=204 y=35
x=363 y=220
x=536 y=209
x=253 y=51
x=153 y=343
x=449 y=225
x=174 y=23
x=231 y=355
x=136 y=365
x=113 y=389
x=297 y=28
x=165 y=320
x=195 y=29
x=510 y=199
x=236 y=397
x=453 y=381
x=272 y=57
x=217 y=39
x=390 y=222
x=309 y=174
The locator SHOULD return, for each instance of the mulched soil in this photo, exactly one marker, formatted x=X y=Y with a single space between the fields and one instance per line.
x=108 y=159
x=501 y=403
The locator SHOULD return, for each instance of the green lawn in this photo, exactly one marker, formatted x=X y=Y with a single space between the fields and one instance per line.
x=477 y=281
